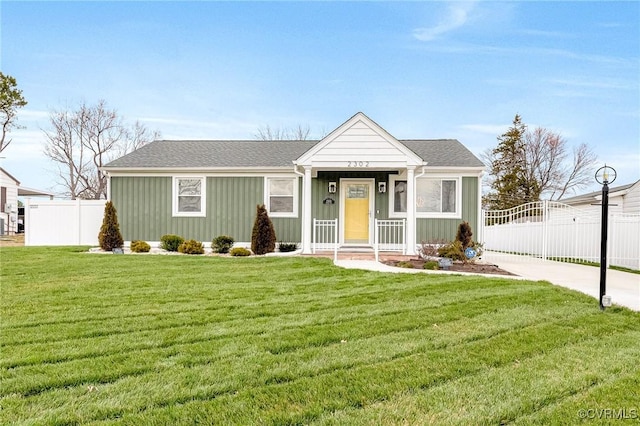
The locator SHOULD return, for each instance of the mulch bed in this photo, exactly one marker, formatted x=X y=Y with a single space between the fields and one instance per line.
x=474 y=268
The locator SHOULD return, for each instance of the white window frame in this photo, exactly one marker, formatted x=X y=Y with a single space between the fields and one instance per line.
x=203 y=197
x=267 y=195
x=439 y=215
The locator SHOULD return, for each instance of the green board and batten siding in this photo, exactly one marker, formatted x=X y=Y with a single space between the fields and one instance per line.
x=144 y=206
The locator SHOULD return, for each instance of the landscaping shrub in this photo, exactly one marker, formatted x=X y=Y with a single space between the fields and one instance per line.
x=464 y=234
x=431 y=265
x=455 y=250
x=222 y=244
x=138 y=246
x=109 y=236
x=239 y=251
x=171 y=242
x=263 y=235
x=405 y=264
x=429 y=249
x=287 y=247
x=191 y=247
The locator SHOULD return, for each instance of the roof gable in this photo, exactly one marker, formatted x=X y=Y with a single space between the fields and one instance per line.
x=8 y=175
x=359 y=139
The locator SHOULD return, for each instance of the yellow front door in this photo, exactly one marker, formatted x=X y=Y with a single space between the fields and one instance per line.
x=356 y=213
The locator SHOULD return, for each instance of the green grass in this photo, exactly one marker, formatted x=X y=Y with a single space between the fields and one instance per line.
x=142 y=339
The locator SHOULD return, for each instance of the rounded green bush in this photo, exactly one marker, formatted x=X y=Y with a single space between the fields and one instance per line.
x=191 y=247
x=222 y=244
x=138 y=246
x=240 y=251
x=171 y=242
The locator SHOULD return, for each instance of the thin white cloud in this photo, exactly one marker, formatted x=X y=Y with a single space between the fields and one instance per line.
x=456 y=17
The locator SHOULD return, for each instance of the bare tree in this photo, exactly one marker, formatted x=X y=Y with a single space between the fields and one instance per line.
x=268 y=133
x=84 y=140
x=10 y=100
x=545 y=162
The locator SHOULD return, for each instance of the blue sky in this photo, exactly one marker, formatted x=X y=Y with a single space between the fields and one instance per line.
x=220 y=70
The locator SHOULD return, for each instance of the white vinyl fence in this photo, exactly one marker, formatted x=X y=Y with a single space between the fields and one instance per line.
x=62 y=222
x=556 y=231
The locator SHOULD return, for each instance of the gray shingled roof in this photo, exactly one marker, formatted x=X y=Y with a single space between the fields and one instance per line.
x=443 y=153
x=256 y=154
x=214 y=154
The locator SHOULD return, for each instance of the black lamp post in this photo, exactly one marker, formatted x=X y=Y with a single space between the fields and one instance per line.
x=604 y=176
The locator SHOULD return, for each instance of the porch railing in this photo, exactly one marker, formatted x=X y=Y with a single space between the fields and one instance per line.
x=325 y=236
x=390 y=235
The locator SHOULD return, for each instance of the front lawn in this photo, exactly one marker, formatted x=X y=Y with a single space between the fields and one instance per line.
x=143 y=339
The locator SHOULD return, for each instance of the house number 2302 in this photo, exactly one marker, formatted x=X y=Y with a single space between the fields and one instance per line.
x=357 y=164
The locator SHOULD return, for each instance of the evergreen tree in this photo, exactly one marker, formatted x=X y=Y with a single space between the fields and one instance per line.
x=263 y=236
x=464 y=235
x=109 y=236
x=511 y=185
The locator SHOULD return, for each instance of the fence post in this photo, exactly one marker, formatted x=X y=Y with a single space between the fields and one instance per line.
x=404 y=237
x=335 y=240
x=313 y=237
x=545 y=228
x=375 y=238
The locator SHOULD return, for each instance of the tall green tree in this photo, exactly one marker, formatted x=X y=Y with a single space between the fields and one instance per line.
x=11 y=100
x=528 y=165
x=510 y=185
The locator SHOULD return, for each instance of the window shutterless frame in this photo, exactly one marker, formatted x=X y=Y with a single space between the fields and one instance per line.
x=189 y=196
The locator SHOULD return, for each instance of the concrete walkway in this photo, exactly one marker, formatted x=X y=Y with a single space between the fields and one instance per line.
x=623 y=287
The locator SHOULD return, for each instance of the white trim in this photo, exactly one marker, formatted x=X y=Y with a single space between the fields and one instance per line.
x=296 y=198
x=372 y=196
x=410 y=158
x=421 y=215
x=203 y=197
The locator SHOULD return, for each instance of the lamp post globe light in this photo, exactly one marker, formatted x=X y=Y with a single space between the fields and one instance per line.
x=604 y=176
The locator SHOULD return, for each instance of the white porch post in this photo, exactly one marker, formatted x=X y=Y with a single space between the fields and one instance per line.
x=411 y=211
x=306 y=211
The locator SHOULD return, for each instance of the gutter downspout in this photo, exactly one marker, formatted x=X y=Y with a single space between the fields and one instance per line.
x=411 y=224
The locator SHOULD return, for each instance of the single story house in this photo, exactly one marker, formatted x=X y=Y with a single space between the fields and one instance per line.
x=356 y=174
x=623 y=199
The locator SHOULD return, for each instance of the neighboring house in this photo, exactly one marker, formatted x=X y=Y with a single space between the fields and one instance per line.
x=8 y=203
x=357 y=173
x=12 y=216
x=622 y=199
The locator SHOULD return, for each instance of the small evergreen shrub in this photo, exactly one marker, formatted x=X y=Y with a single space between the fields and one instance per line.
x=263 y=235
x=191 y=247
x=464 y=235
x=171 y=242
x=109 y=236
x=431 y=265
x=405 y=264
x=138 y=246
x=453 y=251
x=287 y=247
x=222 y=244
x=239 y=251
